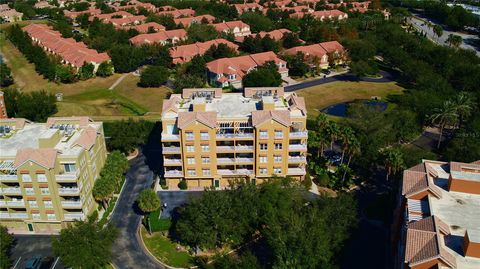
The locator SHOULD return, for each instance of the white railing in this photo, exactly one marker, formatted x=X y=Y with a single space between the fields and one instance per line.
x=293 y=159
x=3 y=202
x=67 y=176
x=299 y=134
x=244 y=160
x=296 y=171
x=234 y=172
x=4 y=215
x=172 y=161
x=225 y=160
x=72 y=203
x=69 y=190
x=171 y=149
x=73 y=216
x=16 y=203
x=9 y=178
x=242 y=148
x=297 y=147
x=170 y=137
x=173 y=173
x=225 y=148
x=242 y=135
x=11 y=190
x=18 y=215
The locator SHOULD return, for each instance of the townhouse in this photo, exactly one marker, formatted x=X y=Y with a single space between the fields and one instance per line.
x=321 y=55
x=226 y=72
x=74 y=14
x=276 y=35
x=47 y=172
x=127 y=21
x=437 y=222
x=237 y=28
x=161 y=37
x=177 y=13
x=212 y=139
x=184 y=53
x=333 y=14
x=187 y=21
x=137 y=5
x=71 y=52
x=247 y=7
x=9 y=15
x=147 y=27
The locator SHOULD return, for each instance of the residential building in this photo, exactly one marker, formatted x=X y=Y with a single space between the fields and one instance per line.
x=43 y=4
x=177 y=13
x=437 y=222
x=246 y=7
x=127 y=21
x=237 y=28
x=276 y=34
x=47 y=172
x=146 y=27
x=133 y=4
x=230 y=71
x=333 y=14
x=9 y=15
x=72 y=53
x=184 y=53
x=211 y=139
x=74 y=14
x=320 y=55
x=161 y=37
x=187 y=21
x=3 y=107
x=107 y=16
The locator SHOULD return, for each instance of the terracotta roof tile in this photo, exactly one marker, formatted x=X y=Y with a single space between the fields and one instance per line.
x=207 y=118
x=43 y=157
x=87 y=138
x=260 y=116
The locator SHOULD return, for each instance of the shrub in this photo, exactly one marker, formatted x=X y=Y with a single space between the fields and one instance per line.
x=307 y=182
x=183 y=185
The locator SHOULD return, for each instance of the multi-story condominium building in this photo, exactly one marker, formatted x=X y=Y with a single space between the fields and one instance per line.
x=47 y=172
x=437 y=223
x=210 y=138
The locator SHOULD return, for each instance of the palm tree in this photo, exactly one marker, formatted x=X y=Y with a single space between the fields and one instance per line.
x=438 y=31
x=353 y=150
x=332 y=131
x=464 y=104
x=346 y=136
x=454 y=40
x=392 y=160
x=445 y=116
x=148 y=202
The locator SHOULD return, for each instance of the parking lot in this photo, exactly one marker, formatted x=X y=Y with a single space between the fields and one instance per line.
x=29 y=246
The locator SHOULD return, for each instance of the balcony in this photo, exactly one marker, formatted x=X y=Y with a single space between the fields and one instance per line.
x=297 y=159
x=67 y=177
x=225 y=160
x=6 y=215
x=297 y=147
x=69 y=191
x=296 y=171
x=225 y=148
x=238 y=135
x=229 y=172
x=244 y=148
x=171 y=150
x=244 y=160
x=172 y=162
x=297 y=135
x=173 y=173
x=73 y=203
x=16 y=203
x=8 y=178
x=170 y=137
x=11 y=190
x=3 y=203
x=73 y=216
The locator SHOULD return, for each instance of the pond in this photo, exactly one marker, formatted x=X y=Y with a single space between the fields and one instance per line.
x=340 y=109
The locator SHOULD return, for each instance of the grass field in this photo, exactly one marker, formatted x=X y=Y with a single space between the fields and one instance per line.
x=321 y=96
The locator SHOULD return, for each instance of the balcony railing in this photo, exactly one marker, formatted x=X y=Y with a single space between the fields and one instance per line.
x=244 y=160
x=172 y=161
x=171 y=150
x=8 y=178
x=173 y=173
x=296 y=171
x=73 y=216
x=297 y=147
x=5 y=215
x=297 y=159
x=303 y=134
x=11 y=190
x=72 y=203
x=226 y=172
x=225 y=160
x=170 y=137
x=244 y=148
x=225 y=148
x=68 y=190
x=3 y=203
x=238 y=135
x=67 y=177
x=16 y=203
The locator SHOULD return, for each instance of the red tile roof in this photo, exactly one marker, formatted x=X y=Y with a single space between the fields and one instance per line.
x=127 y=20
x=162 y=37
x=241 y=28
x=43 y=157
x=332 y=47
x=197 y=19
x=143 y=28
x=87 y=138
x=281 y=116
x=187 y=12
x=207 y=118
x=184 y=53
x=334 y=13
x=75 y=14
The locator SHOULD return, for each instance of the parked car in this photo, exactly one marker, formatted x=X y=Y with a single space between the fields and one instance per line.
x=33 y=263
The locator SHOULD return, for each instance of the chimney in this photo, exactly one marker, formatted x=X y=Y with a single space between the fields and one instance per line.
x=471 y=243
x=199 y=104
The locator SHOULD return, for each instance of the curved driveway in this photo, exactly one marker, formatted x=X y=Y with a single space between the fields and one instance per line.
x=127 y=250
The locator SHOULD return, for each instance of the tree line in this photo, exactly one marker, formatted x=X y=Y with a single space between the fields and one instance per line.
x=35 y=106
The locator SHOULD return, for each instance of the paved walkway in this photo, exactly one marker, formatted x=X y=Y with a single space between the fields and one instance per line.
x=118 y=81
x=128 y=251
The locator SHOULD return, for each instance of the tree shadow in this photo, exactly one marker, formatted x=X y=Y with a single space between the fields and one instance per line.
x=152 y=150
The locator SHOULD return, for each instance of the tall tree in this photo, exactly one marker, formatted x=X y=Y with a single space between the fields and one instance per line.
x=6 y=241
x=148 y=201
x=6 y=78
x=392 y=159
x=454 y=40
x=445 y=116
x=438 y=31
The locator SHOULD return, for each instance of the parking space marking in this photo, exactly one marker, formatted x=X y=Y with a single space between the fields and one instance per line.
x=17 y=262
x=55 y=263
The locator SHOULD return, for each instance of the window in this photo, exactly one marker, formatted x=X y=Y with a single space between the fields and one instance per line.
x=233 y=76
x=41 y=178
x=48 y=204
x=26 y=178
x=263 y=134
x=206 y=172
x=277 y=158
x=190 y=148
x=191 y=160
x=44 y=191
x=278 y=134
x=51 y=217
x=263 y=159
x=191 y=172
x=263 y=146
x=205 y=148
x=35 y=216
x=32 y=203
x=204 y=136
x=69 y=167
x=278 y=146
x=29 y=191
x=277 y=170
x=189 y=135
x=205 y=160
x=263 y=171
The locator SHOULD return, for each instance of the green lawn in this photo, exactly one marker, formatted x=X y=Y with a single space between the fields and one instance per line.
x=165 y=250
x=322 y=96
x=159 y=224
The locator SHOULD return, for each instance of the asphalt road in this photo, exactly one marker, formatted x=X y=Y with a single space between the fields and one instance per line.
x=175 y=199
x=28 y=246
x=386 y=77
x=127 y=251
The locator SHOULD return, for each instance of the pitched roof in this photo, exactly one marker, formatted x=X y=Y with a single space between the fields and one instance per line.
x=197 y=19
x=87 y=138
x=207 y=118
x=43 y=157
x=230 y=25
x=159 y=37
x=332 y=46
x=297 y=102
x=416 y=181
x=281 y=116
x=170 y=104
x=185 y=53
x=145 y=27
